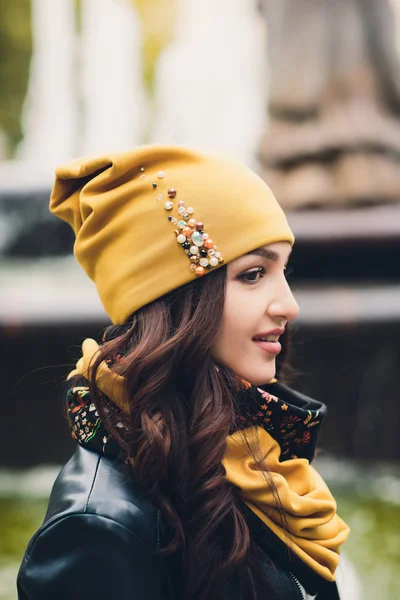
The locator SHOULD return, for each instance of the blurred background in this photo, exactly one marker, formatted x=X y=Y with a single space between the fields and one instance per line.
x=307 y=93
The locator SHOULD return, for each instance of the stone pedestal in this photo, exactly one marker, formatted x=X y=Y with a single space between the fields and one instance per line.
x=334 y=103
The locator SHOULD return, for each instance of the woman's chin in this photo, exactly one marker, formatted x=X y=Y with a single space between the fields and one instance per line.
x=260 y=376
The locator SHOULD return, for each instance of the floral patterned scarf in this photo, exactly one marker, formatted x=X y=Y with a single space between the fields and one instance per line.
x=280 y=426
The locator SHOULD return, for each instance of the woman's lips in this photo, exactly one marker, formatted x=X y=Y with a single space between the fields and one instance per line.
x=270 y=347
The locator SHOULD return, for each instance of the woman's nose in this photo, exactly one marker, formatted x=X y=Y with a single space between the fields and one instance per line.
x=284 y=305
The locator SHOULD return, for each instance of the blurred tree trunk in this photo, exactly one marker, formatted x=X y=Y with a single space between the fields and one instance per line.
x=334 y=103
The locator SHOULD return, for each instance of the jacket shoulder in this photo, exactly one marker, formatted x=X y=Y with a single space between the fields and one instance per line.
x=91 y=484
x=99 y=538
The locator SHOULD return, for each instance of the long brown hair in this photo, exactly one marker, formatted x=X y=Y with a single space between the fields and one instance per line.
x=182 y=408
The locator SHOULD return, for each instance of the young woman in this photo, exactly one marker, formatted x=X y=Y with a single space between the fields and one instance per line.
x=192 y=476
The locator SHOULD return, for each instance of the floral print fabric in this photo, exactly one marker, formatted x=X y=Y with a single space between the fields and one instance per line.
x=86 y=425
x=294 y=427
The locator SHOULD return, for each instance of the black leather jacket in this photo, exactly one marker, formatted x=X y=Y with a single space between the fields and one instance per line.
x=99 y=541
x=100 y=537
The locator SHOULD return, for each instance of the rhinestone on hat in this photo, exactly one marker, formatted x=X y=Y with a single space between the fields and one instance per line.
x=190 y=233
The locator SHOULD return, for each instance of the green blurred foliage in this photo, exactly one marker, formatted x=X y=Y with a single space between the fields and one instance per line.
x=373 y=546
x=19 y=519
x=374 y=543
x=15 y=53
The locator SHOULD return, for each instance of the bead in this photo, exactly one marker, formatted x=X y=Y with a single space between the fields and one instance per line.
x=209 y=243
x=142 y=169
x=154 y=185
x=186 y=250
x=172 y=192
x=181 y=239
x=199 y=271
x=221 y=260
x=203 y=262
x=181 y=224
x=194 y=249
x=143 y=176
x=205 y=236
x=174 y=220
x=194 y=258
x=199 y=226
x=214 y=261
x=208 y=266
x=168 y=205
x=197 y=238
x=169 y=218
x=193 y=267
x=186 y=217
x=181 y=203
x=181 y=210
x=218 y=254
x=211 y=252
x=160 y=174
x=177 y=232
x=203 y=252
x=160 y=197
x=186 y=245
x=187 y=231
x=190 y=210
x=192 y=222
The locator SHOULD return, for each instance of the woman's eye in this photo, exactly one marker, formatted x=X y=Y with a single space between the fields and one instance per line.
x=252 y=276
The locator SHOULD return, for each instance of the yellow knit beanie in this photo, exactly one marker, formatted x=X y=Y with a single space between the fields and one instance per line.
x=153 y=218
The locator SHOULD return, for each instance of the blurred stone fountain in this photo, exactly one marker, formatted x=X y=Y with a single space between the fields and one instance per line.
x=211 y=83
x=85 y=90
x=85 y=95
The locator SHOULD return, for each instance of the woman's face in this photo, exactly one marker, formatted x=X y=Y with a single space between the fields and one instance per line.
x=258 y=305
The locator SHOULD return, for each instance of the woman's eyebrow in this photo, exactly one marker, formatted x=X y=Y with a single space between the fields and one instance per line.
x=265 y=253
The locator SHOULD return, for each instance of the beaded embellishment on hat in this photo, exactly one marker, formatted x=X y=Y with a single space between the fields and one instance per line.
x=197 y=244
x=190 y=233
